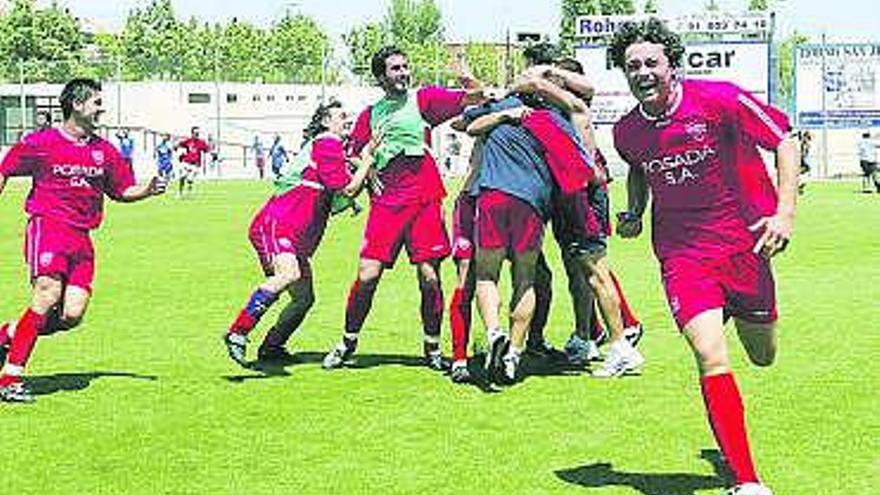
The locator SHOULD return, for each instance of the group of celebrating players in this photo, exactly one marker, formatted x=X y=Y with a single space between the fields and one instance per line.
x=692 y=145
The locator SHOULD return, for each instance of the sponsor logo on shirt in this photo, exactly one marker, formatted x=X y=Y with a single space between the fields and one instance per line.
x=79 y=174
x=677 y=168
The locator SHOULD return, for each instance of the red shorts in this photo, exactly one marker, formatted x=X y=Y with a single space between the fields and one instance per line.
x=742 y=284
x=507 y=222
x=419 y=227
x=463 y=217
x=55 y=249
x=292 y=223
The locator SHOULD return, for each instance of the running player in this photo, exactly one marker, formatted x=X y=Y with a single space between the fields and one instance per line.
x=192 y=161
x=717 y=219
x=287 y=229
x=165 y=158
x=408 y=209
x=72 y=168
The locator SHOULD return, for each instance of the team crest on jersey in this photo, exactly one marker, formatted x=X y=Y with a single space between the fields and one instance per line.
x=697 y=130
x=98 y=157
x=285 y=242
x=46 y=259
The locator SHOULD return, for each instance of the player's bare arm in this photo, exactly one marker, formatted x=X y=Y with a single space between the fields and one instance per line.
x=137 y=192
x=485 y=123
x=777 y=229
x=556 y=95
x=364 y=165
x=629 y=223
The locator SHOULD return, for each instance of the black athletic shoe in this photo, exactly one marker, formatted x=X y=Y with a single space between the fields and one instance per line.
x=236 y=347
x=16 y=392
x=435 y=361
x=3 y=352
x=273 y=353
x=497 y=349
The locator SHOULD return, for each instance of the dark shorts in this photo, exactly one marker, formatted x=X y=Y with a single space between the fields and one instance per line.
x=868 y=168
x=741 y=284
x=577 y=226
x=507 y=222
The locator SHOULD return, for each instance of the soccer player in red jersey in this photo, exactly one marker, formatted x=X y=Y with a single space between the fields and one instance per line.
x=287 y=229
x=192 y=160
x=717 y=218
x=407 y=211
x=72 y=169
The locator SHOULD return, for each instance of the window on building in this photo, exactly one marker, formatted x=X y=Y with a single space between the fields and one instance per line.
x=231 y=97
x=199 y=98
x=270 y=97
x=255 y=98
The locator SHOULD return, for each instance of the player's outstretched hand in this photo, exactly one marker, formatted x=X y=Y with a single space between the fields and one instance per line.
x=775 y=236
x=157 y=186
x=629 y=225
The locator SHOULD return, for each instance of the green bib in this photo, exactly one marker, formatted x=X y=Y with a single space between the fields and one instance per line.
x=402 y=128
x=291 y=176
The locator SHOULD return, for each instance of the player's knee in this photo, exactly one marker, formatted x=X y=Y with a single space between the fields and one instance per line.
x=369 y=271
x=69 y=322
x=763 y=357
x=47 y=293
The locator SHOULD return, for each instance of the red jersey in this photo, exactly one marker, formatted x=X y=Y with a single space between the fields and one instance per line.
x=703 y=168
x=69 y=177
x=407 y=179
x=194 y=148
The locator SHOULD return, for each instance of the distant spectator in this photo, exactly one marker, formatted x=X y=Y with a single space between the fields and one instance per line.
x=213 y=156
x=805 y=139
x=164 y=157
x=452 y=156
x=868 y=161
x=126 y=146
x=278 y=155
x=43 y=120
x=260 y=155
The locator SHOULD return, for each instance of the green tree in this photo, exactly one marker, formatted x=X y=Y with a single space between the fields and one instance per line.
x=297 y=48
x=785 y=63
x=652 y=7
x=153 y=42
x=243 y=51
x=47 y=40
x=759 y=5
x=362 y=42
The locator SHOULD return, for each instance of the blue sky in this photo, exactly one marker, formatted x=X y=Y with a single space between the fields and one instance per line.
x=841 y=20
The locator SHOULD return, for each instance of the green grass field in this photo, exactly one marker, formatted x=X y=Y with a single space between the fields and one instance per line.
x=141 y=399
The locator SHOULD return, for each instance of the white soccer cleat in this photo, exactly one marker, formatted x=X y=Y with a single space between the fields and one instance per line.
x=749 y=489
x=510 y=364
x=622 y=359
x=580 y=351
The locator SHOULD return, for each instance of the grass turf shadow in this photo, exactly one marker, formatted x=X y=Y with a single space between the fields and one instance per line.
x=71 y=382
x=603 y=474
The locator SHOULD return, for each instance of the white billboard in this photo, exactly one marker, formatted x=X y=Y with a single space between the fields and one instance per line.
x=744 y=63
x=847 y=96
x=600 y=26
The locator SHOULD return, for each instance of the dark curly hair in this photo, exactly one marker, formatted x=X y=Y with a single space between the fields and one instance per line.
x=377 y=63
x=77 y=91
x=316 y=124
x=652 y=30
x=542 y=53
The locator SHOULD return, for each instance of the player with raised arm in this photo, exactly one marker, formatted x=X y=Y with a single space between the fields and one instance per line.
x=287 y=229
x=408 y=210
x=71 y=168
x=717 y=219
